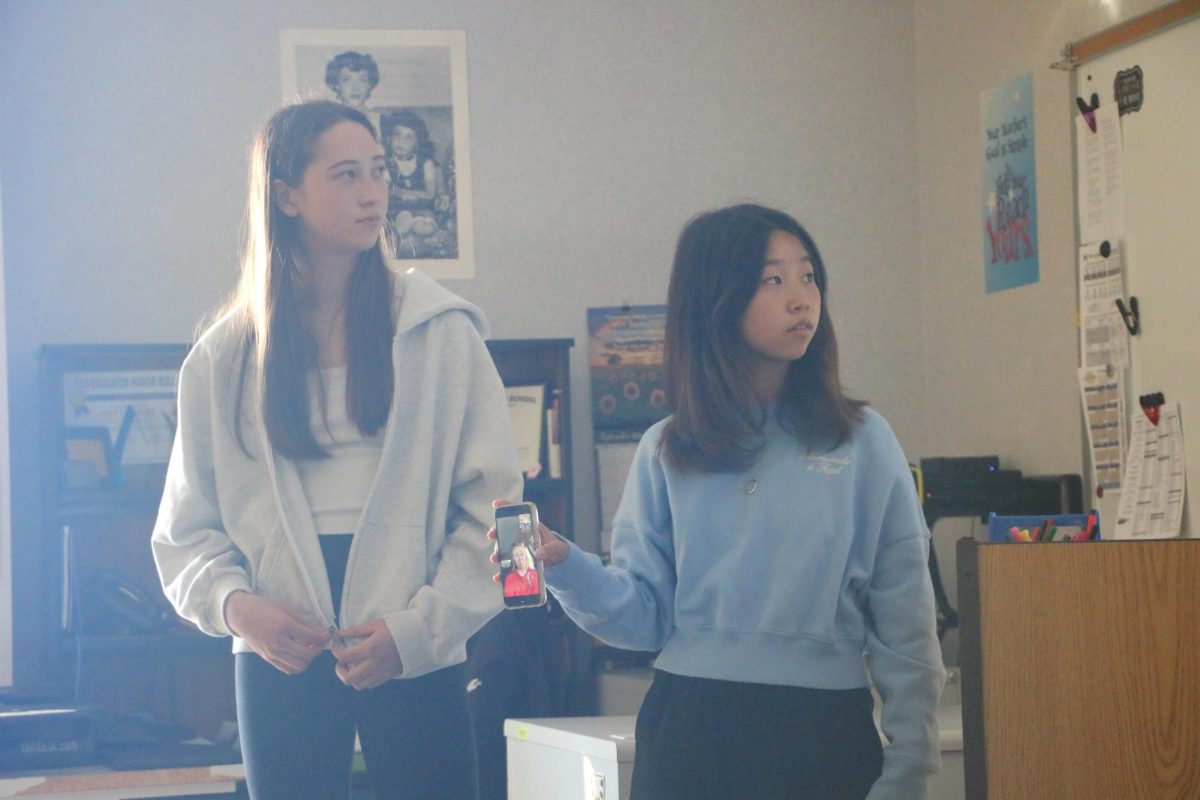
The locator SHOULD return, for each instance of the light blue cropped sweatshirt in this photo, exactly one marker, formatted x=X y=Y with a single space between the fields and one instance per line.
x=817 y=578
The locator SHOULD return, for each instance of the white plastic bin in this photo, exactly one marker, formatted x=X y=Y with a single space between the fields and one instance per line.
x=570 y=758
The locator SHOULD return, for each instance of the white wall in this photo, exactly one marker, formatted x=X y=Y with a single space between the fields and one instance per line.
x=598 y=128
x=6 y=570
x=1001 y=367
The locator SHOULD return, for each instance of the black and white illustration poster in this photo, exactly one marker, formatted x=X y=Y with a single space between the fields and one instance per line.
x=412 y=84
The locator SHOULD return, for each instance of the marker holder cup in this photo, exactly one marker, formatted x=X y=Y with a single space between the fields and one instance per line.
x=999 y=526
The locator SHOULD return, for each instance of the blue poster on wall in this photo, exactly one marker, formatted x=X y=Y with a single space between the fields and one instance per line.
x=1009 y=189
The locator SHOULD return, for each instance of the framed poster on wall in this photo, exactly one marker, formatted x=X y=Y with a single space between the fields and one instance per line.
x=412 y=85
x=625 y=359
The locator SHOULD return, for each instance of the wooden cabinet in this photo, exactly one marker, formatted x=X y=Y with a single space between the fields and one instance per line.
x=1079 y=668
x=103 y=630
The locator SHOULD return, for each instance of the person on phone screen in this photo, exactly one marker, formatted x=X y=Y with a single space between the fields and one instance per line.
x=325 y=376
x=769 y=543
x=523 y=579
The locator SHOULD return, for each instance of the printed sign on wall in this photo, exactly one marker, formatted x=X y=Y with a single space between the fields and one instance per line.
x=1009 y=190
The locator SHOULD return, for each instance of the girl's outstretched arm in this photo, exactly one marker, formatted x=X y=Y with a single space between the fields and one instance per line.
x=615 y=604
x=629 y=603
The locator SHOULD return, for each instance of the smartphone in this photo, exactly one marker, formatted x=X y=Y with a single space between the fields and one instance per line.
x=517 y=540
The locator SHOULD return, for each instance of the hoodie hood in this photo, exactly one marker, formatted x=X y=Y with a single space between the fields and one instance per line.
x=419 y=298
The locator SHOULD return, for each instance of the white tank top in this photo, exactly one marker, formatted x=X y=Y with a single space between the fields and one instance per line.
x=337 y=486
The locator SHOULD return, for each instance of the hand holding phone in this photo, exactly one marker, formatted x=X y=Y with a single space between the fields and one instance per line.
x=517 y=539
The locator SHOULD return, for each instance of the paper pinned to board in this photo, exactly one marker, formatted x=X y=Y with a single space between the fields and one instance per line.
x=1102 y=391
x=1100 y=170
x=1103 y=337
x=1151 y=504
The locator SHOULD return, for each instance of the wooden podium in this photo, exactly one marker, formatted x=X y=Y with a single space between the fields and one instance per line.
x=1081 y=669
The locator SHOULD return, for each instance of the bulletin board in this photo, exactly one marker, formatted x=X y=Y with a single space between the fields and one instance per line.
x=1160 y=74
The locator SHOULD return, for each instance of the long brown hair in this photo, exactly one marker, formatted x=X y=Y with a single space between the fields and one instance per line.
x=266 y=303
x=715 y=414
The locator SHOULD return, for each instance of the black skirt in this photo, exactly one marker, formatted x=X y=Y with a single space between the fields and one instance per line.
x=699 y=738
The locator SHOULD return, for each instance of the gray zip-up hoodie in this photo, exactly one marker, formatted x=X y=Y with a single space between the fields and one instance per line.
x=419 y=559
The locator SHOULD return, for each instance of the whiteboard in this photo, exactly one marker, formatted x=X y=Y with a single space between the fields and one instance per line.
x=1162 y=213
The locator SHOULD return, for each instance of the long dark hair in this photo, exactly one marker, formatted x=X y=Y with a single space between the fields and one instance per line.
x=267 y=301
x=715 y=413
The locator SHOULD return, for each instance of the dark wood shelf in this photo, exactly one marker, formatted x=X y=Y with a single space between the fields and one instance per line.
x=175 y=673
x=87 y=502
x=544 y=485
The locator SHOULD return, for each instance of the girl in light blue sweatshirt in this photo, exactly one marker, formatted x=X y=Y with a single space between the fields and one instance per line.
x=769 y=543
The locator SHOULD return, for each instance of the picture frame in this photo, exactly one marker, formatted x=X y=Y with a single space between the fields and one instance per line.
x=412 y=85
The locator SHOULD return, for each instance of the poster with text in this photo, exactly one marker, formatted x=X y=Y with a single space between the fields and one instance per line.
x=1009 y=188
x=102 y=400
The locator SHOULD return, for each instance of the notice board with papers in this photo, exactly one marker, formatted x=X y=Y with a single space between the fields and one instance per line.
x=1148 y=88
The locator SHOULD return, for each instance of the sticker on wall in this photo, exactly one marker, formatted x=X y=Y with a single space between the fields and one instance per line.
x=1009 y=193
x=1129 y=89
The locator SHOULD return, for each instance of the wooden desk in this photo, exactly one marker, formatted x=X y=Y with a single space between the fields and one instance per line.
x=95 y=783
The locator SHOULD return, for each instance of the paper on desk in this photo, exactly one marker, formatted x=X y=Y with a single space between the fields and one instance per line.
x=1155 y=478
x=1100 y=171
x=1103 y=337
x=1103 y=408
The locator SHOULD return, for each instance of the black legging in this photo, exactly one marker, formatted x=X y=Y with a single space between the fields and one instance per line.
x=297 y=731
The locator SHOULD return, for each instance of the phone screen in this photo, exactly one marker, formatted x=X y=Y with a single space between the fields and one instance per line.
x=520 y=572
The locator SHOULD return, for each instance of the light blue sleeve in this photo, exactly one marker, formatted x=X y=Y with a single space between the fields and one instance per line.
x=904 y=656
x=629 y=603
